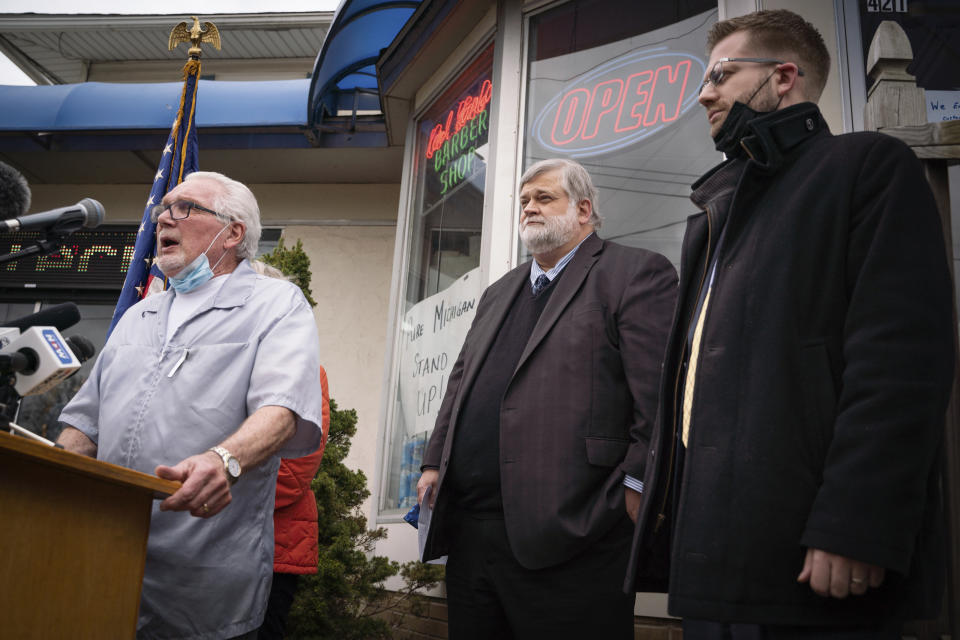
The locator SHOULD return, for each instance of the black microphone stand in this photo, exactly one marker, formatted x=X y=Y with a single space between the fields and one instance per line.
x=10 y=404
x=43 y=247
x=9 y=398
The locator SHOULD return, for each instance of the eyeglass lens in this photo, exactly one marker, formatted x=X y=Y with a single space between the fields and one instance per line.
x=715 y=77
x=178 y=210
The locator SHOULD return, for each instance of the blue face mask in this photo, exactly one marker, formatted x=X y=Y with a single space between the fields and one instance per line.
x=197 y=272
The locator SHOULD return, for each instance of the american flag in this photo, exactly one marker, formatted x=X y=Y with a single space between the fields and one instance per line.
x=179 y=159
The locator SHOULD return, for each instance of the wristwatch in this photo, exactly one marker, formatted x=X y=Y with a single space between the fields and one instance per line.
x=230 y=464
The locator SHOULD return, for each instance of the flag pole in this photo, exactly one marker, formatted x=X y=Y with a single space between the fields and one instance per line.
x=180 y=158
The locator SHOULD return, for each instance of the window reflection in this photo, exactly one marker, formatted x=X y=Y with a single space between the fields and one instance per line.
x=616 y=89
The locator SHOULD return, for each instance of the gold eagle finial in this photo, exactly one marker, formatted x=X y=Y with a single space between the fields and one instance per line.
x=194 y=35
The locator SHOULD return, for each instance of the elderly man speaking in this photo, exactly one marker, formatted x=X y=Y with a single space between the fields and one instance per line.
x=207 y=383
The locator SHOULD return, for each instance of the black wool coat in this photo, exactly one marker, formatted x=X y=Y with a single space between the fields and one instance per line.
x=824 y=373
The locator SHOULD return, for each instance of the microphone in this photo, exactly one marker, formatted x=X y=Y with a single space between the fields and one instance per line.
x=61 y=316
x=48 y=360
x=81 y=347
x=15 y=362
x=86 y=213
x=14 y=193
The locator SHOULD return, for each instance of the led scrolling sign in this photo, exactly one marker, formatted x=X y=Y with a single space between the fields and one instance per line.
x=622 y=101
x=96 y=259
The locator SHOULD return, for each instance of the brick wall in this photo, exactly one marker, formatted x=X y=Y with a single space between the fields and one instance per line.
x=656 y=629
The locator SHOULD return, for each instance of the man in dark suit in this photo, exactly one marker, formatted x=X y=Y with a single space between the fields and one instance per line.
x=547 y=415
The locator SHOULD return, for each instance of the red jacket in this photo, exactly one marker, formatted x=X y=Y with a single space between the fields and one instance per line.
x=295 y=511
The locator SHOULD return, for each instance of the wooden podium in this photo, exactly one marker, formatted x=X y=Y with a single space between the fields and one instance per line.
x=73 y=541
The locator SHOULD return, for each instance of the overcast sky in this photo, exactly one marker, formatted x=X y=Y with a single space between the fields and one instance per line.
x=10 y=74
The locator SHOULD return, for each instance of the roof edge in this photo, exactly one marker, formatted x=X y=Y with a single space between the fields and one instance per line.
x=11 y=22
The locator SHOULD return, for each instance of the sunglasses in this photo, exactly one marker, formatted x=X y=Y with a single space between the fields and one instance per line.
x=716 y=75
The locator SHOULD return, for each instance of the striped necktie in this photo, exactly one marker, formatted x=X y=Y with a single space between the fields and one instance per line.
x=540 y=283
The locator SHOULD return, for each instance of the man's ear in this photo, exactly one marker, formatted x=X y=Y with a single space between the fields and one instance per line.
x=235 y=234
x=584 y=211
x=787 y=79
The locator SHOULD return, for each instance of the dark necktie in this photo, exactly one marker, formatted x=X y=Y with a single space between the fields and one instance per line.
x=540 y=283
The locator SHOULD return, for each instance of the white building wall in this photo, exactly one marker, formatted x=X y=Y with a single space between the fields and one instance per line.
x=351 y=284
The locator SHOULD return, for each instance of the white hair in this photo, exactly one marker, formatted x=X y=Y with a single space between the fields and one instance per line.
x=234 y=201
x=574 y=179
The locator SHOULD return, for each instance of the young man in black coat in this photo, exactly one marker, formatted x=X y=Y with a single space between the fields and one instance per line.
x=793 y=470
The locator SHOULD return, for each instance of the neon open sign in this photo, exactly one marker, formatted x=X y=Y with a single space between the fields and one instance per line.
x=619 y=103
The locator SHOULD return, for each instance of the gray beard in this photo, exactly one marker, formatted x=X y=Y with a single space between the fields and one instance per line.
x=170 y=264
x=554 y=233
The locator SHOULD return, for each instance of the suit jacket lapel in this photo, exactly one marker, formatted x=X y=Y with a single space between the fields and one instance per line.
x=568 y=286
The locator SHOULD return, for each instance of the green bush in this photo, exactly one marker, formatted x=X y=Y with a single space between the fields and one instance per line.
x=346 y=598
x=295 y=263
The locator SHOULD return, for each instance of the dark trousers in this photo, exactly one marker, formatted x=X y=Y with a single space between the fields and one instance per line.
x=706 y=630
x=490 y=595
x=278 y=606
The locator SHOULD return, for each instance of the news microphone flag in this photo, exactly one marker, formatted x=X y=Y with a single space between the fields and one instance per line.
x=179 y=159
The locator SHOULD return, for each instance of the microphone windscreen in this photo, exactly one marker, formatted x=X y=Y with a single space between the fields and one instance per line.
x=93 y=211
x=81 y=347
x=62 y=316
x=14 y=193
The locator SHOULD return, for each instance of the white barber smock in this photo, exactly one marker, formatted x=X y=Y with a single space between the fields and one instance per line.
x=253 y=344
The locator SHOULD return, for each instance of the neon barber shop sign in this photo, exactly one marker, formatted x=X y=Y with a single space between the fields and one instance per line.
x=619 y=103
x=453 y=141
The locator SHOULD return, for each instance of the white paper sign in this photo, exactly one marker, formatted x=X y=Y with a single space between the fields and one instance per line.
x=943 y=106
x=432 y=334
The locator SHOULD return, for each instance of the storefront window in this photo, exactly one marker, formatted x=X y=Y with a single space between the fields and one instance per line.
x=443 y=285
x=616 y=89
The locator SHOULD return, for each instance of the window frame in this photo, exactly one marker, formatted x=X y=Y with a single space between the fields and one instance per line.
x=482 y=38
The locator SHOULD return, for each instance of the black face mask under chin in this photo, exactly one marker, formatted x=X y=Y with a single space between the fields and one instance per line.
x=733 y=129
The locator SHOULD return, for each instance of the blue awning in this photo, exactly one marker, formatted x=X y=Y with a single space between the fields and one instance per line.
x=344 y=76
x=99 y=106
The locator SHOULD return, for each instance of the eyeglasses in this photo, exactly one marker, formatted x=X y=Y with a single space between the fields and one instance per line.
x=716 y=75
x=179 y=210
